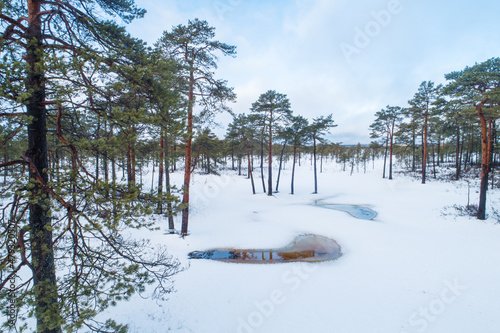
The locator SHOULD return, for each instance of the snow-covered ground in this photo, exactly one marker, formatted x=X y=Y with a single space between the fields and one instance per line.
x=411 y=269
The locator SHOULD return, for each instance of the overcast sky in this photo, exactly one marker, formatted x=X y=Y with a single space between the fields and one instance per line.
x=348 y=58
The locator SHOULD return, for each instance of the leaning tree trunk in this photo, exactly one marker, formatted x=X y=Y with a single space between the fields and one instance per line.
x=47 y=312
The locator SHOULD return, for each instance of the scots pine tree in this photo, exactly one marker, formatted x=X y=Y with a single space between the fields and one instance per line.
x=273 y=107
x=479 y=87
x=193 y=46
x=57 y=59
x=385 y=125
x=318 y=128
x=421 y=105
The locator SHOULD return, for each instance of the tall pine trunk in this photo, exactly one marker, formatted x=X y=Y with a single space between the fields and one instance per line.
x=159 y=208
x=485 y=160
x=189 y=148
x=130 y=165
x=424 y=152
x=47 y=310
x=315 y=169
x=262 y=164
x=170 y=212
x=391 y=151
x=457 y=154
x=414 y=150
x=270 y=157
x=385 y=155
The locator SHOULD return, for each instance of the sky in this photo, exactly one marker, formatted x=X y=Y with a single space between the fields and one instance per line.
x=340 y=57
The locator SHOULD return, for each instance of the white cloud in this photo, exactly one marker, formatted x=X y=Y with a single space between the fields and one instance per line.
x=293 y=46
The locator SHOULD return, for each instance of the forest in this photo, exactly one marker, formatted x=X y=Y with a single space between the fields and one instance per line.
x=89 y=114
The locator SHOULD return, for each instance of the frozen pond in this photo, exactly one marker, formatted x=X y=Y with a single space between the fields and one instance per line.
x=358 y=212
x=305 y=248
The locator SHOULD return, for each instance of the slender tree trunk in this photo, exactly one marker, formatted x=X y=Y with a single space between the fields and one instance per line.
x=130 y=176
x=315 y=169
x=174 y=156
x=262 y=164
x=47 y=312
x=434 y=160
x=159 y=208
x=281 y=164
x=250 y=173
x=457 y=154
x=293 y=168
x=485 y=160
x=385 y=155
x=440 y=154
x=153 y=176
x=462 y=162
x=493 y=138
x=134 y=162
x=270 y=157
x=466 y=156
x=170 y=212
x=208 y=164
x=391 y=138
x=97 y=154
x=414 y=150
x=105 y=156
x=188 y=163
x=232 y=158
x=424 y=155
x=390 y=156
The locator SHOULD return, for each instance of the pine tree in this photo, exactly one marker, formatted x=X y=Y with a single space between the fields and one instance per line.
x=243 y=130
x=59 y=57
x=273 y=107
x=421 y=105
x=385 y=125
x=479 y=87
x=194 y=48
x=298 y=132
x=319 y=127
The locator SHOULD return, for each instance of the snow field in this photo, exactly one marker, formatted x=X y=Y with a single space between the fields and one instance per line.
x=411 y=269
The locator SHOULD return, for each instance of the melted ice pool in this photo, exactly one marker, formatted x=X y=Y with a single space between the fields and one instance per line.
x=305 y=248
x=358 y=212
